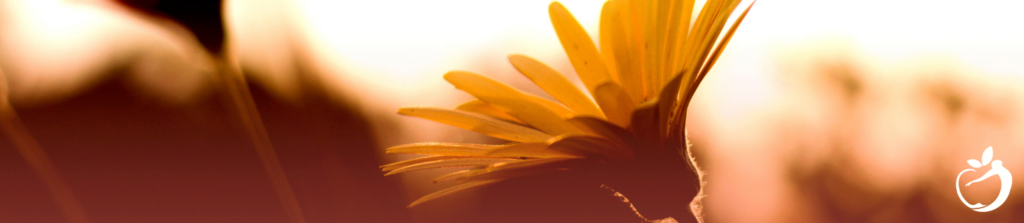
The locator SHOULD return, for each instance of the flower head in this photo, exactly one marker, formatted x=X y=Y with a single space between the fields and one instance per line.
x=641 y=80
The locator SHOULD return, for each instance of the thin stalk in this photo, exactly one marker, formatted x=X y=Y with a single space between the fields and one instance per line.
x=235 y=84
x=41 y=164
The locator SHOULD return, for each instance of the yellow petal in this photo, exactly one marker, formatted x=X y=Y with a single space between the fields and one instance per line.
x=456 y=162
x=480 y=107
x=451 y=175
x=478 y=123
x=701 y=40
x=605 y=38
x=721 y=45
x=627 y=57
x=511 y=101
x=615 y=103
x=444 y=149
x=690 y=86
x=451 y=190
x=403 y=163
x=591 y=147
x=654 y=40
x=555 y=107
x=579 y=47
x=531 y=150
x=695 y=37
x=679 y=27
x=555 y=84
x=713 y=30
x=638 y=11
x=515 y=169
x=465 y=150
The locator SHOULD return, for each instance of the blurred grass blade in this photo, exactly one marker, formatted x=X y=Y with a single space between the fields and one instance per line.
x=38 y=160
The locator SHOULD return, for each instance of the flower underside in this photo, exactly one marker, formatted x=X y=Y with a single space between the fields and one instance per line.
x=650 y=63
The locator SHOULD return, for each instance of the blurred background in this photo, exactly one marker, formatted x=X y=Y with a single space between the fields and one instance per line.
x=819 y=111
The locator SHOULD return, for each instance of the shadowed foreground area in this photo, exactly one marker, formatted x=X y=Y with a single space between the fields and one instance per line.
x=132 y=160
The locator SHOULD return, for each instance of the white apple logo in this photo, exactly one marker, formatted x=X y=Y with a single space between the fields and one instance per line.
x=997 y=169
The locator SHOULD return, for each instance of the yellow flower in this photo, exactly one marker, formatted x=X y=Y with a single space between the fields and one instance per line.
x=649 y=66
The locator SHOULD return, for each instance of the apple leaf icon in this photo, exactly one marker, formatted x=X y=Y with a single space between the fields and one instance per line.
x=974 y=163
x=986 y=156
